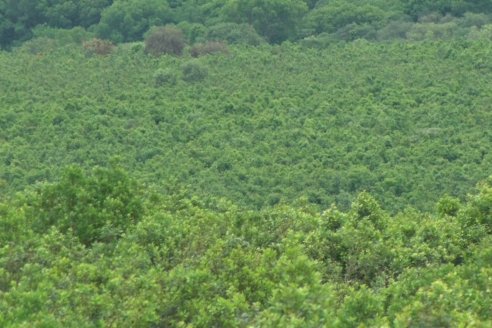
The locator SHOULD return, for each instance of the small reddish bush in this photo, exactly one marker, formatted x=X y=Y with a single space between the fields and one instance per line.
x=165 y=40
x=98 y=47
x=211 y=47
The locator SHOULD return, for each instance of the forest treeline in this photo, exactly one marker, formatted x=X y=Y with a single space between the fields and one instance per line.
x=247 y=21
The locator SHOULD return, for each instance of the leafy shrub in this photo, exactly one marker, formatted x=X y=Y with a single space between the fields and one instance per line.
x=394 y=30
x=63 y=36
x=335 y=15
x=433 y=31
x=194 y=72
x=99 y=207
x=98 y=47
x=234 y=33
x=38 y=46
x=128 y=20
x=276 y=20
x=448 y=205
x=319 y=41
x=478 y=20
x=356 y=31
x=483 y=33
x=165 y=40
x=164 y=76
x=208 y=48
x=136 y=48
x=194 y=32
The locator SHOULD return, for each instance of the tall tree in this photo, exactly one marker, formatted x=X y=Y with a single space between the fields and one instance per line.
x=128 y=20
x=18 y=17
x=276 y=20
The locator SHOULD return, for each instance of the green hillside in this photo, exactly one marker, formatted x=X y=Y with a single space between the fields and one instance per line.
x=407 y=122
x=245 y=163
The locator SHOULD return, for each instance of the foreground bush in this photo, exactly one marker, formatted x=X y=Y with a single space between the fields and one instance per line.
x=189 y=263
x=99 y=207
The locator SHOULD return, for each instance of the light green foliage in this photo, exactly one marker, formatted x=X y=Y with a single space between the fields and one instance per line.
x=448 y=206
x=194 y=32
x=266 y=125
x=202 y=264
x=96 y=208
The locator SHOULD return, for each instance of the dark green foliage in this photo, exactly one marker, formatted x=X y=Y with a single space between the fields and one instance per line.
x=194 y=32
x=18 y=17
x=128 y=20
x=248 y=21
x=276 y=20
x=417 y=8
x=164 y=40
x=165 y=76
x=235 y=34
x=194 y=71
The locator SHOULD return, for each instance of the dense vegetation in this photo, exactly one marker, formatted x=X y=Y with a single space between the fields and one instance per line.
x=95 y=250
x=209 y=141
x=407 y=122
x=273 y=163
